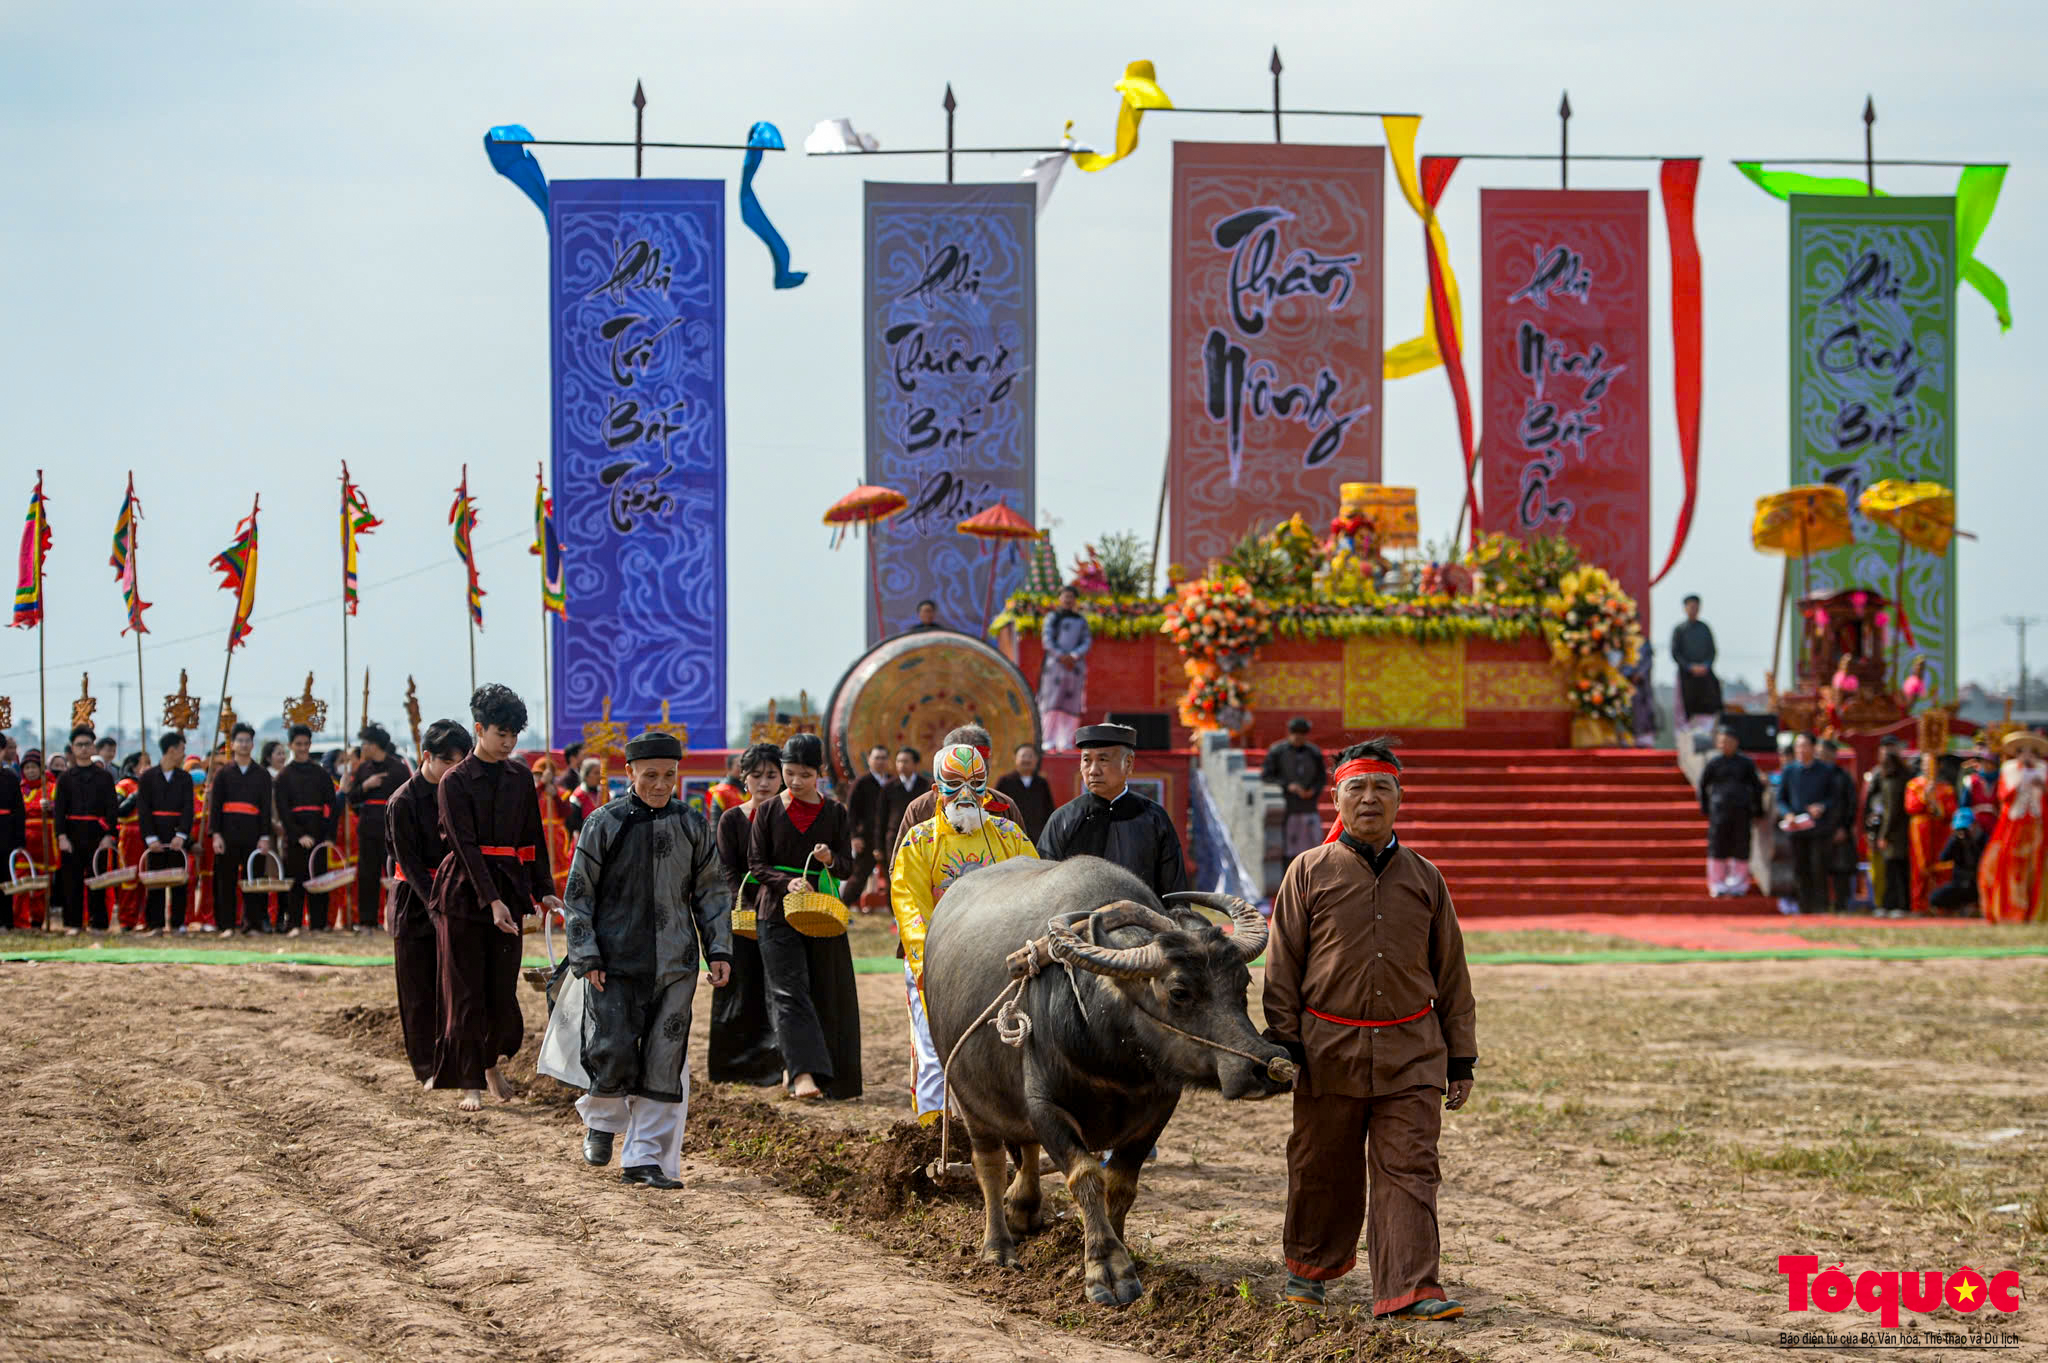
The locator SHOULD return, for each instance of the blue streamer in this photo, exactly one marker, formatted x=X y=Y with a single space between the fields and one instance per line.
x=760 y=138
x=516 y=163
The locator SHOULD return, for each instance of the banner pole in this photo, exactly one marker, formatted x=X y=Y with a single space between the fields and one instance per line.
x=950 y=105
x=1564 y=141
x=344 y=669
x=1158 y=518
x=1275 y=67
x=547 y=722
x=1869 y=147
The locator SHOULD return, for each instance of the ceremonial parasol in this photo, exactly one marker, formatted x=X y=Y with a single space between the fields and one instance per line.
x=994 y=527
x=865 y=505
x=1923 y=515
x=1799 y=523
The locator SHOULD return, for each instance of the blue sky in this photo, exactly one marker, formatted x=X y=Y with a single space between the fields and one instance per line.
x=243 y=242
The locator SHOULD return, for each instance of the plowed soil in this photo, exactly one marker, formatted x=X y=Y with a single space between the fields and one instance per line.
x=233 y=1163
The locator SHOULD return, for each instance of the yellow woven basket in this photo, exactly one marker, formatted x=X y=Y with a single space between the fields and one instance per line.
x=811 y=911
x=108 y=880
x=17 y=883
x=166 y=875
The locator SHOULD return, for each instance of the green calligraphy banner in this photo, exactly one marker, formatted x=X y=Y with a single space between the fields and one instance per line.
x=1873 y=390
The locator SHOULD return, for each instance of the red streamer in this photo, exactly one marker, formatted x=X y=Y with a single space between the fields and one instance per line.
x=1678 y=180
x=1436 y=178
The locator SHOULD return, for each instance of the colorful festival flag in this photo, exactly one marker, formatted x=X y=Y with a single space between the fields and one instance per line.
x=462 y=515
x=554 y=596
x=1140 y=89
x=35 y=547
x=356 y=519
x=124 y=560
x=237 y=567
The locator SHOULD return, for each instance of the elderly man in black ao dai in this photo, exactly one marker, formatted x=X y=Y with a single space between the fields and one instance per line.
x=645 y=896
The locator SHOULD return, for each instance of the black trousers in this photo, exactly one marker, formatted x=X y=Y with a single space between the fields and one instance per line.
x=1898 y=883
x=743 y=1047
x=79 y=903
x=1810 y=869
x=416 y=964
x=812 y=998
x=480 y=1019
x=300 y=907
x=370 y=882
x=231 y=908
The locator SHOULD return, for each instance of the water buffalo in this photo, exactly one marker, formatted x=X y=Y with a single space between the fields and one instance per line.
x=1096 y=1070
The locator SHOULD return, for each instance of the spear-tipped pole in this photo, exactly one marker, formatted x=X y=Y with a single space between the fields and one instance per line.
x=346 y=530
x=950 y=105
x=1869 y=146
x=1275 y=67
x=639 y=126
x=1564 y=141
x=135 y=566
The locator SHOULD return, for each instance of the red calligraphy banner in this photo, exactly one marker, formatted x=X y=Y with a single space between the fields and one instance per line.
x=1276 y=336
x=1564 y=343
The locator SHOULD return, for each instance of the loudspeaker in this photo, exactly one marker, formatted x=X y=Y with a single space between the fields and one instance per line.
x=1753 y=733
x=1155 y=732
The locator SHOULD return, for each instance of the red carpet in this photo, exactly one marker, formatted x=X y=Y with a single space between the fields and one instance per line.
x=1561 y=831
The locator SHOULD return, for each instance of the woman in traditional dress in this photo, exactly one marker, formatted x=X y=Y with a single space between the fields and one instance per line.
x=1063 y=678
x=1930 y=805
x=800 y=834
x=742 y=1030
x=2010 y=878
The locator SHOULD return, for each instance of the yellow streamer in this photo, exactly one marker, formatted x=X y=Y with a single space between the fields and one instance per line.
x=1422 y=353
x=1140 y=89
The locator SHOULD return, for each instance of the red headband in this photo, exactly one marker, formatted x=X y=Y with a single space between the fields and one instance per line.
x=1358 y=766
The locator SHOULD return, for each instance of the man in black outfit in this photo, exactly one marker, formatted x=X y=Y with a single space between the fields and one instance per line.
x=1297 y=766
x=85 y=814
x=371 y=783
x=1029 y=791
x=1841 y=849
x=1112 y=821
x=306 y=806
x=164 y=806
x=1806 y=790
x=238 y=812
x=864 y=804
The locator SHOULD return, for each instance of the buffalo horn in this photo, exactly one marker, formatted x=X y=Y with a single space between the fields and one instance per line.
x=1122 y=963
x=1248 y=925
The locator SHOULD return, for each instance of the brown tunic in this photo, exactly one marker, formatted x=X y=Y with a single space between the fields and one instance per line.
x=1351 y=944
x=495 y=847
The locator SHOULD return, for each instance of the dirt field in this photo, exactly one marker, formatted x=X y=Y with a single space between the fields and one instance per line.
x=232 y=1163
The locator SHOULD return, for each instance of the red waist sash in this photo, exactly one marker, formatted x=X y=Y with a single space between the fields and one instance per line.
x=309 y=809
x=85 y=818
x=522 y=853
x=240 y=807
x=1364 y=1022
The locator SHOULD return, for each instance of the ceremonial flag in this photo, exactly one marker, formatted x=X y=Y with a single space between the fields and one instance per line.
x=462 y=515
x=237 y=567
x=35 y=547
x=123 y=562
x=554 y=597
x=356 y=519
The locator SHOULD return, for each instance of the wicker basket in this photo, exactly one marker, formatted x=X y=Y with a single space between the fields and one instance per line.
x=255 y=884
x=18 y=883
x=745 y=923
x=812 y=912
x=109 y=880
x=181 y=874
x=338 y=874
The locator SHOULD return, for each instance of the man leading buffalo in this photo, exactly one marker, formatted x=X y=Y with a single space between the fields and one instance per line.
x=1367 y=988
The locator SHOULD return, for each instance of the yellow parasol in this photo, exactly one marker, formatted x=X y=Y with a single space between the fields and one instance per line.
x=1799 y=523
x=1923 y=515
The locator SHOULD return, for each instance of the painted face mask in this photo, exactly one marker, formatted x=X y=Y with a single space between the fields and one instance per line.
x=962 y=778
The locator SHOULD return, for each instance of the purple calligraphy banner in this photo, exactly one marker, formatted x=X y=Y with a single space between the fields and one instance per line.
x=951 y=334
x=637 y=309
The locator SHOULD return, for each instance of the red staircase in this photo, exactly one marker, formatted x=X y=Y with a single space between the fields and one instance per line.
x=1542 y=831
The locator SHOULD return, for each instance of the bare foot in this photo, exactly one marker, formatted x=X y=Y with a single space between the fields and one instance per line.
x=293 y=933
x=472 y=1101
x=227 y=934
x=71 y=932
x=501 y=1088
x=427 y=1085
x=805 y=1088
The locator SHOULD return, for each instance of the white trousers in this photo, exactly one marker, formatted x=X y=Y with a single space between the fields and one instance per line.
x=928 y=1075
x=653 y=1131
x=1060 y=728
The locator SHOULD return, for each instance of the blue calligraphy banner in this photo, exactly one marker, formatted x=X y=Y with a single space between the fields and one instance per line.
x=637 y=309
x=951 y=336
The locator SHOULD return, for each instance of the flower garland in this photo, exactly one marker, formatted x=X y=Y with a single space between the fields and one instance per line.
x=1589 y=622
x=1218 y=626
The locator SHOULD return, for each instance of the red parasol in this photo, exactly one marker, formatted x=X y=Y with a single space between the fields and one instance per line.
x=865 y=505
x=995 y=525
